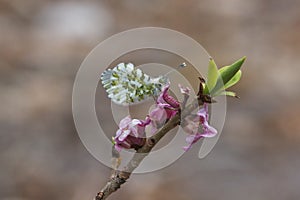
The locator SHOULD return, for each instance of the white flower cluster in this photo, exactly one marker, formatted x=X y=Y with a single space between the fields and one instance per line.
x=126 y=84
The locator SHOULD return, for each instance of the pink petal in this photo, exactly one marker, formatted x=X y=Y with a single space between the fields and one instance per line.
x=191 y=140
x=146 y=122
x=170 y=113
x=158 y=114
x=135 y=122
x=124 y=122
x=171 y=100
x=123 y=136
x=209 y=132
x=202 y=114
x=118 y=133
x=184 y=90
x=191 y=127
x=133 y=126
x=160 y=98
x=186 y=148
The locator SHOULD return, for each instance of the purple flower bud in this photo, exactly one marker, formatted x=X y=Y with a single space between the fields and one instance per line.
x=166 y=107
x=164 y=97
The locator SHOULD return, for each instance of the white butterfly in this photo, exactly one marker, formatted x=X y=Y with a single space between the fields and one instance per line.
x=126 y=84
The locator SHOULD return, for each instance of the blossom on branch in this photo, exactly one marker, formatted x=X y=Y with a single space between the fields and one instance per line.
x=197 y=127
x=131 y=133
x=184 y=90
x=166 y=107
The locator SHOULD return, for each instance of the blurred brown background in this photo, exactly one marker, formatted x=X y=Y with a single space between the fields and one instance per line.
x=42 y=44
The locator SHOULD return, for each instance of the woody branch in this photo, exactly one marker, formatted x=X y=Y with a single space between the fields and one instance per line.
x=120 y=177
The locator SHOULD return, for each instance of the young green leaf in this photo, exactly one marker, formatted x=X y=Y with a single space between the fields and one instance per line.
x=228 y=72
x=233 y=80
x=228 y=93
x=212 y=74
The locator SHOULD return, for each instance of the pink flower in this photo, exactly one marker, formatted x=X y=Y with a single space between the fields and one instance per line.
x=158 y=117
x=166 y=107
x=186 y=94
x=197 y=127
x=169 y=103
x=184 y=91
x=131 y=133
x=168 y=100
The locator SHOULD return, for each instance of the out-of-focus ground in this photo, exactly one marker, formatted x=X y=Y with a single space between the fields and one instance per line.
x=42 y=44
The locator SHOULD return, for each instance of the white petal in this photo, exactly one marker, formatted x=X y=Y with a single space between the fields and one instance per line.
x=121 y=65
x=122 y=100
x=130 y=67
x=139 y=73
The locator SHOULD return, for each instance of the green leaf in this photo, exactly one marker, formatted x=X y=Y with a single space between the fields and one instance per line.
x=233 y=80
x=205 y=88
x=228 y=93
x=212 y=74
x=228 y=72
